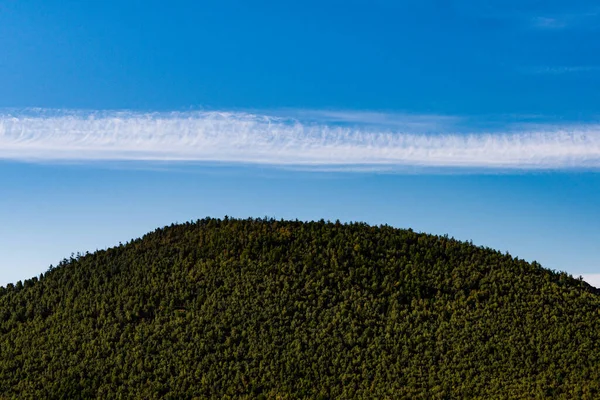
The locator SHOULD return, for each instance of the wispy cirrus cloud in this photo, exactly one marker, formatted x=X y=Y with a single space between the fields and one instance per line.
x=548 y=23
x=377 y=119
x=238 y=137
x=543 y=16
x=558 y=70
x=566 y=20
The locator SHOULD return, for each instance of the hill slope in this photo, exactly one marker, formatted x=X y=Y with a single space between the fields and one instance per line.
x=263 y=308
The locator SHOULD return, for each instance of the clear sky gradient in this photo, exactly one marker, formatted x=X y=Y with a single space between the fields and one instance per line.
x=480 y=120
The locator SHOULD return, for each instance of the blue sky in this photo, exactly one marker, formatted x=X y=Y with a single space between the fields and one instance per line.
x=475 y=119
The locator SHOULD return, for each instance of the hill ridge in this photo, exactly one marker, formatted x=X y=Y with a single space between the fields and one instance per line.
x=250 y=308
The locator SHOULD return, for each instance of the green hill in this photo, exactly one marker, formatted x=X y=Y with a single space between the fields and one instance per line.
x=283 y=309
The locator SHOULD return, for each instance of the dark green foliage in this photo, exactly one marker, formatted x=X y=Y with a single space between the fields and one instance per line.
x=273 y=309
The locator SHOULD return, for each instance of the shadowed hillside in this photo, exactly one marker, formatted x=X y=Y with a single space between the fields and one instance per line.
x=283 y=309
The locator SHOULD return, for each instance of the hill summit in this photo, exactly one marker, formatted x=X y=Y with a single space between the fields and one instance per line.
x=261 y=308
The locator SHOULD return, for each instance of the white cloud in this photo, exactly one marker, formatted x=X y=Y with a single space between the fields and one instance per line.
x=238 y=137
x=585 y=19
x=403 y=121
x=548 y=23
x=556 y=70
x=592 y=279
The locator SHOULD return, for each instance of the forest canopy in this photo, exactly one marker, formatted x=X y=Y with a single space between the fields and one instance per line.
x=260 y=308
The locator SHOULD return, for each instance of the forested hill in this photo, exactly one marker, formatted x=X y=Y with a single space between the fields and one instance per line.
x=290 y=310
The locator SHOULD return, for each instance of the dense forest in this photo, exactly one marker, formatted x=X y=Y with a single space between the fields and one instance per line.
x=261 y=308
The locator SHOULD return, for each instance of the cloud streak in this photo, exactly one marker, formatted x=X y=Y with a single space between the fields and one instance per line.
x=237 y=137
x=564 y=20
x=548 y=23
x=557 y=70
